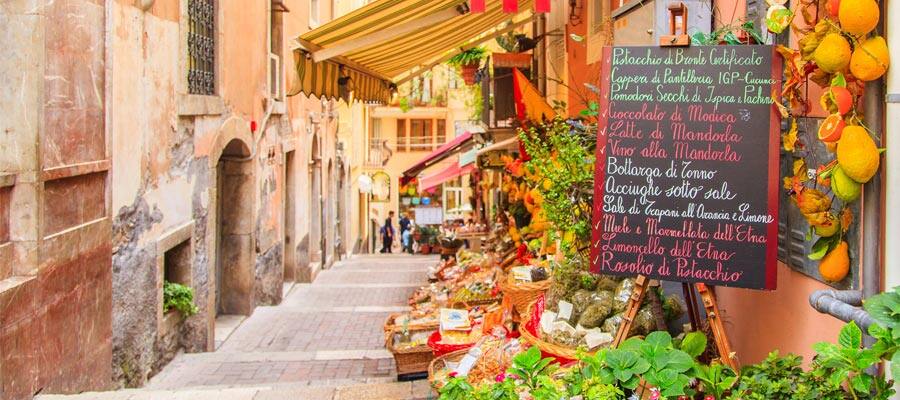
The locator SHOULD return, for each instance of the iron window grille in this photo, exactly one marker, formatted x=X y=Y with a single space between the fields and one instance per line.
x=201 y=47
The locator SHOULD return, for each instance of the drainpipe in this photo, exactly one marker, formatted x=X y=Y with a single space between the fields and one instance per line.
x=270 y=106
x=843 y=305
x=873 y=191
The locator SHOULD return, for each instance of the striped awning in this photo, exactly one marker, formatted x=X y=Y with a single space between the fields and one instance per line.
x=387 y=41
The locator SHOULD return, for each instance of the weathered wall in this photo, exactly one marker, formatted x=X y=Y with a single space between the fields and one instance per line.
x=167 y=175
x=54 y=236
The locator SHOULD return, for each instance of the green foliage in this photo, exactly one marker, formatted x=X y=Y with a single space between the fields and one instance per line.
x=467 y=57
x=529 y=366
x=179 y=297
x=562 y=157
x=475 y=101
x=844 y=364
x=457 y=388
x=716 y=378
x=404 y=104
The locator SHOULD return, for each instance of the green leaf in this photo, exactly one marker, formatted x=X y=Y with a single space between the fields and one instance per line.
x=820 y=248
x=839 y=80
x=631 y=344
x=659 y=339
x=694 y=344
x=640 y=366
x=862 y=383
x=850 y=336
x=885 y=308
x=680 y=361
x=837 y=377
x=895 y=366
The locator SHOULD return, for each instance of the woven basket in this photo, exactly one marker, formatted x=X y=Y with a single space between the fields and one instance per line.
x=460 y=305
x=389 y=325
x=522 y=294
x=409 y=361
x=545 y=346
x=440 y=362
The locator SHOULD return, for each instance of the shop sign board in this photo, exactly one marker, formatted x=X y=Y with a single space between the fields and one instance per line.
x=687 y=173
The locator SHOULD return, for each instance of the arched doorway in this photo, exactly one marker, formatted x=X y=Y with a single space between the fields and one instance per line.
x=234 y=230
x=290 y=216
x=316 y=214
x=341 y=222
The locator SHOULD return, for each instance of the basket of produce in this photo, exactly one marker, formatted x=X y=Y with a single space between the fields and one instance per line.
x=413 y=320
x=410 y=349
x=453 y=341
x=521 y=293
x=489 y=358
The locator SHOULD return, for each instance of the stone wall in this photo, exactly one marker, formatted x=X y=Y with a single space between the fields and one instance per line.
x=55 y=272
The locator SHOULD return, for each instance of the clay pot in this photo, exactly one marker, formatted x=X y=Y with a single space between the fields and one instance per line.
x=468 y=72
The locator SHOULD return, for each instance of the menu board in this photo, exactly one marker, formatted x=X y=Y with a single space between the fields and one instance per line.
x=686 y=181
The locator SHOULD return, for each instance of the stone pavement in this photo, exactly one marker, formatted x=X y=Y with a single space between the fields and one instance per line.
x=325 y=341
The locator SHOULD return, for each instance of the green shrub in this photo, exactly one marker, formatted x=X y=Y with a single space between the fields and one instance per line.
x=179 y=297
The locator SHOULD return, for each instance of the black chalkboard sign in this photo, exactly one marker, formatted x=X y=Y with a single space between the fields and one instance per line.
x=687 y=183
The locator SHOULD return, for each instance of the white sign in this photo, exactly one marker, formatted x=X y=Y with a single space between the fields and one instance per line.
x=429 y=215
x=467 y=157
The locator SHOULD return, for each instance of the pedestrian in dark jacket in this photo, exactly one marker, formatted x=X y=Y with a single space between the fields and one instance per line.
x=387 y=234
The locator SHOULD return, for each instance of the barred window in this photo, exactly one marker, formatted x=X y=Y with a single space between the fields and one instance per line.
x=201 y=40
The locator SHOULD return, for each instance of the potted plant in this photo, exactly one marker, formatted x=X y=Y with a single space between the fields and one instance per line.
x=468 y=62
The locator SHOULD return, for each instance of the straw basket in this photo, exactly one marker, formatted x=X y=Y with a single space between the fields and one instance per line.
x=409 y=361
x=440 y=363
x=389 y=325
x=545 y=346
x=522 y=294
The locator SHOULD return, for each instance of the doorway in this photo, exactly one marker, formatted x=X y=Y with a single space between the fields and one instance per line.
x=234 y=228
x=290 y=215
x=341 y=218
x=316 y=215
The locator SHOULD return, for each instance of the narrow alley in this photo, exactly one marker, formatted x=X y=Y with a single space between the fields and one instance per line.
x=325 y=341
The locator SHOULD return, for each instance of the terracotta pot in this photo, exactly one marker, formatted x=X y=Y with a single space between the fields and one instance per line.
x=468 y=73
x=425 y=249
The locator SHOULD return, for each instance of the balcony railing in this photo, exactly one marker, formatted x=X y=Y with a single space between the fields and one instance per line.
x=499 y=109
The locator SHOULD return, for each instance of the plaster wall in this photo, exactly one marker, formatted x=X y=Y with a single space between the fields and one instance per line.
x=54 y=235
x=167 y=146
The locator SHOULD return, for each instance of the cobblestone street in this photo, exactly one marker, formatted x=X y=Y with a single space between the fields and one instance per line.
x=325 y=341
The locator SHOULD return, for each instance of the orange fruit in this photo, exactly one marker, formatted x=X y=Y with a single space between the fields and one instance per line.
x=858 y=17
x=870 y=60
x=842 y=98
x=857 y=154
x=833 y=6
x=831 y=128
x=833 y=53
x=835 y=266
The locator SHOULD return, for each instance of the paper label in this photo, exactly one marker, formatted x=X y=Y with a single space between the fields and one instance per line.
x=565 y=310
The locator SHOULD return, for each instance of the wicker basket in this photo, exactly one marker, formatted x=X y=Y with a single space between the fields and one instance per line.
x=390 y=326
x=440 y=362
x=522 y=294
x=409 y=361
x=545 y=346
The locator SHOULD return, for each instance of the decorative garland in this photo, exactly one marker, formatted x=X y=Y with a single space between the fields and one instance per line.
x=839 y=53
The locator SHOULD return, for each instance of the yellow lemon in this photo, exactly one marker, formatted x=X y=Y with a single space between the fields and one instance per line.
x=870 y=60
x=843 y=187
x=858 y=17
x=857 y=154
x=833 y=53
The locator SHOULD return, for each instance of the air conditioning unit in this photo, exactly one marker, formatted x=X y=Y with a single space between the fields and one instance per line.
x=276 y=91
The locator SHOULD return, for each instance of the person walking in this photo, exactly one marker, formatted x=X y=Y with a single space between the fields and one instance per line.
x=387 y=234
x=405 y=232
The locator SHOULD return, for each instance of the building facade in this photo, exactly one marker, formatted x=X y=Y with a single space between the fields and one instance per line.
x=150 y=142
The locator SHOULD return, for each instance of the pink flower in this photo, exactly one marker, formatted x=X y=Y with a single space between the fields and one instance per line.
x=654 y=394
x=500 y=377
x=453 y=374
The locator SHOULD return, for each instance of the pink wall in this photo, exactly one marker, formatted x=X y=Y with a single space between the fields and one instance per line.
x=761 y=321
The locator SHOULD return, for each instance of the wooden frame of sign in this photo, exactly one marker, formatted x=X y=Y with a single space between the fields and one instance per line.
x=688 y=149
